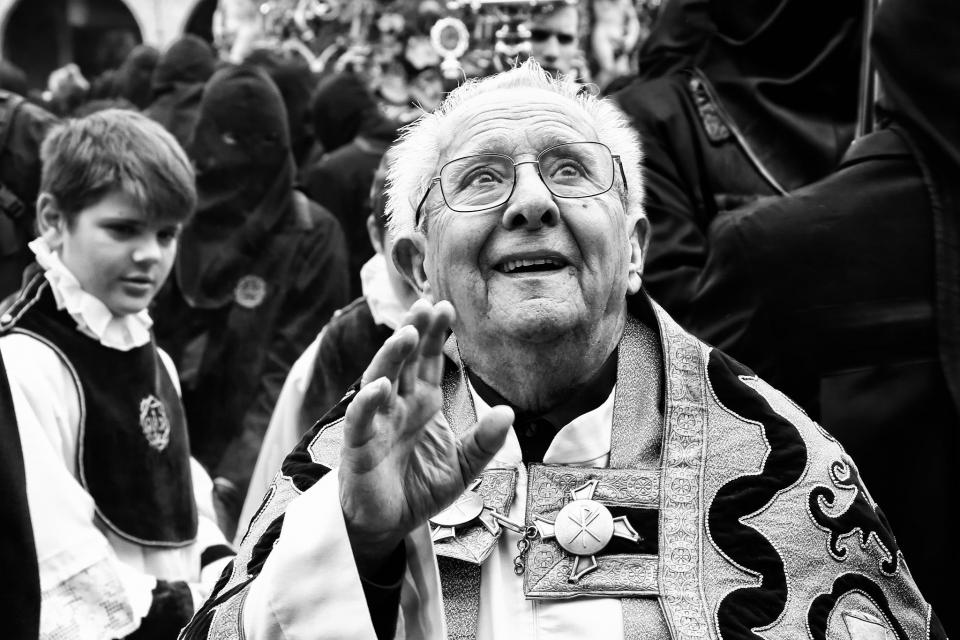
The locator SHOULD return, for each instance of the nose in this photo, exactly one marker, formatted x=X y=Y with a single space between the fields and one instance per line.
x=532 y=205
x=147 y=250
x=550 y=50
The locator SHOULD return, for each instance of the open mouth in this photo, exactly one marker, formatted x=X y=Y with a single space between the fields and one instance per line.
x=531 y=265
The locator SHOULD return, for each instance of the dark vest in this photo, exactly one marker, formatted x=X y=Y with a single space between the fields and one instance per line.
x=133 y=456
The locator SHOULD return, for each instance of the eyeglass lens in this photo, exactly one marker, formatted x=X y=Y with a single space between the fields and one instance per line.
x=577 y=170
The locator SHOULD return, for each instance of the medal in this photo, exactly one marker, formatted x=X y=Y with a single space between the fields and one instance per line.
x=468 y=509
x=583 y=528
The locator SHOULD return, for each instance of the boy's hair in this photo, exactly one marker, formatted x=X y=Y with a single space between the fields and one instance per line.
x=85 y=159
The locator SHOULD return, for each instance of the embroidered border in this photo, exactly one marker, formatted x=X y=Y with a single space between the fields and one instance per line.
x=681 y=507
x=279 y=496
x=227 y=623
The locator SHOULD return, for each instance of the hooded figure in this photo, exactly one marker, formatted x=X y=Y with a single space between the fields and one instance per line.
x=133 y=78
x=295 y=82
x=846 y=293
x=769 y=106
x=259 y=271
x=341 y=104
x=355 y=134
x=23 y=126
x=178 y=84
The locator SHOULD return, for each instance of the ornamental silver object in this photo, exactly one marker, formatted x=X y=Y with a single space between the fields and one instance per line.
x=583 y=528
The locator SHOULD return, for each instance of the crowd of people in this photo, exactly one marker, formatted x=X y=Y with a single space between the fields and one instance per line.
x=282 y=356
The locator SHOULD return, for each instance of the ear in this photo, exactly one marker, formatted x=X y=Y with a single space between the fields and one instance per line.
x=639 y=240
x=51 y=222
x=409 y=254
x=374 y=232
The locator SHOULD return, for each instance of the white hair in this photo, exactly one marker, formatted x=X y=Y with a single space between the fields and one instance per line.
x=418 y=150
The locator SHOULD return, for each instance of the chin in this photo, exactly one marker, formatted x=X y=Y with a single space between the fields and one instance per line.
x=537 y=321
x=127 y=307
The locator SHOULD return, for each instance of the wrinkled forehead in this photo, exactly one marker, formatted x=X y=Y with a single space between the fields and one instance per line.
x=513 y=122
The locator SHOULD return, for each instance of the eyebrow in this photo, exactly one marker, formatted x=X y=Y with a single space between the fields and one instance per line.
x=499 y=143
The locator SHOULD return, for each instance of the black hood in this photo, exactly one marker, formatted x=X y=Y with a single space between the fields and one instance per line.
x=135 y=76
x=787 y=71
x=189 y=60
x=342 y=105
x=241 y=140
x=245 y=173
x=295 y=81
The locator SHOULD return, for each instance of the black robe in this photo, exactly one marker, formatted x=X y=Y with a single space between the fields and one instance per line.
x=846 y=294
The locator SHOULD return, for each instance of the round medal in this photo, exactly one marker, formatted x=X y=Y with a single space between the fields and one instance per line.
x=250 y=291
x=584 y=527
x=466 y=508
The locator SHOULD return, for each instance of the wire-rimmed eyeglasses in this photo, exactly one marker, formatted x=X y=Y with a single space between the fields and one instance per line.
x=487 y=180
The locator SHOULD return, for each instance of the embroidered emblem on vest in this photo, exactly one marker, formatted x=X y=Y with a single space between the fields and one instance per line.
x=154 y=422
x=250 y=291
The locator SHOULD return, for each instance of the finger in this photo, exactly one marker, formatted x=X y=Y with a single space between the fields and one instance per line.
x=481 y=443
x=420 y=316
x=430 y=368
x=358 y=423
x=390 y=357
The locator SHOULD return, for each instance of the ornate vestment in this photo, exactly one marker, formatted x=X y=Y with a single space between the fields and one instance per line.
x=752 y=523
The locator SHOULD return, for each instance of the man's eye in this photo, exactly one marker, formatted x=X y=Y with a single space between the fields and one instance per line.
x=567 y=170
x=480 y=178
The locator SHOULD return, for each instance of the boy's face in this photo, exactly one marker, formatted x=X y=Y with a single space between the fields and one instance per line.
x=117 y=254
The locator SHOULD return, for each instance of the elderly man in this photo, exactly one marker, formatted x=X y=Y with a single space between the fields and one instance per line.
x=640 y=485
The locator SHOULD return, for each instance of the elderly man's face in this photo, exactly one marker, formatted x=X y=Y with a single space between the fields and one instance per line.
x=554 y=40
x=586 y=246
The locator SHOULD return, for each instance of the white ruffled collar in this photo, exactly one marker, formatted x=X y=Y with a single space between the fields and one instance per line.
x=93 y=318
x=385 y=306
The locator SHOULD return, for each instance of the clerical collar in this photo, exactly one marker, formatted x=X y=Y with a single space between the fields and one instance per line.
x=589 y=396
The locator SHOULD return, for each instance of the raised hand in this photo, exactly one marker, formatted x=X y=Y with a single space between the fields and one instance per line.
x=401 y=463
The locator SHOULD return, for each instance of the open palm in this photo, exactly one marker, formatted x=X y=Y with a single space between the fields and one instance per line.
x=401 y=463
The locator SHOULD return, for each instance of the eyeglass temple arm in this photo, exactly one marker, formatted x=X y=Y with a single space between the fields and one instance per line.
x=623 y=174
x=423 y=200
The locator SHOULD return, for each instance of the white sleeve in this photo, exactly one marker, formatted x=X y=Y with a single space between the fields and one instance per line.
x=85 y=589
x=309 y=586
x=282 y=434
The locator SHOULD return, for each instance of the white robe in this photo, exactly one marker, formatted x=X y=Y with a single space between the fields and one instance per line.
x=314 y=554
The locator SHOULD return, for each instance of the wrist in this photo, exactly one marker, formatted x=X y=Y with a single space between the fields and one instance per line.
x=371 y=551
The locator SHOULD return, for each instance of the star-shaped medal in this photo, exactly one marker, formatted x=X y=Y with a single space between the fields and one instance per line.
x=583 y=528
x=468 y=508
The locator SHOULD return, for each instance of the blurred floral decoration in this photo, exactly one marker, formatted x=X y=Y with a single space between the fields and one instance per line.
x=412 y=51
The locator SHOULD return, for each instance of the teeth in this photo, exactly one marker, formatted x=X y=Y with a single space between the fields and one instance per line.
x=512 y=265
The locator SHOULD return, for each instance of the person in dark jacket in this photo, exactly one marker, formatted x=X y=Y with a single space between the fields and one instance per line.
x=260 y=271
x=846 y=293
x=178 y=85
x=341 y=179
x=769 y=107
x=23 y=126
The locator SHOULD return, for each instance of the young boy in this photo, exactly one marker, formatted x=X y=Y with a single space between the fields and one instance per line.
x=122 y=516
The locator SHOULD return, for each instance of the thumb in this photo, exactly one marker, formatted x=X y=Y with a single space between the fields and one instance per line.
x=480 y=443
